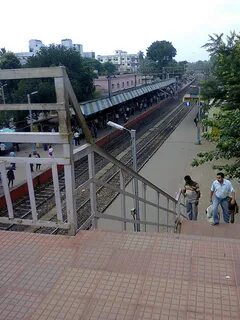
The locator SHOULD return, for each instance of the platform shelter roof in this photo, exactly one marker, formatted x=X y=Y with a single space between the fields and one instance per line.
x=94 y=106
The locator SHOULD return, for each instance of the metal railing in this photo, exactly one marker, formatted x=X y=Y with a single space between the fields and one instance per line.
x=158 y=210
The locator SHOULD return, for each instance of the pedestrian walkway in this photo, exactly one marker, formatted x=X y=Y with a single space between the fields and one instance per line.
x=101 y=275
x=203 y=228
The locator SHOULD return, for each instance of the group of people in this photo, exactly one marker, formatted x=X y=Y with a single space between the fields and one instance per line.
x=12 y=168
x=38 y=165
x=222 y=194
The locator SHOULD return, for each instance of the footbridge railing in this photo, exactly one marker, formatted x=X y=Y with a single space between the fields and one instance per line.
x=158 y=211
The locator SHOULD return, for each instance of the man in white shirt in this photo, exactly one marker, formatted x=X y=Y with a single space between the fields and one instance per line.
x=220 y=191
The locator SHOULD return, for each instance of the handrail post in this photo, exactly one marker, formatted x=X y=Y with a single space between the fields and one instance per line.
x=123 y=200
x=158 y=212
x=135 y=181
x=167 y=213
x=93 y=198
x=144 y=189
x=6 y=190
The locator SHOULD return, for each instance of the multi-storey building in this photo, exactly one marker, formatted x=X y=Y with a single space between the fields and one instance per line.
x=124 y=61
x=89 y=54
x=35 y=45
x=69 y=44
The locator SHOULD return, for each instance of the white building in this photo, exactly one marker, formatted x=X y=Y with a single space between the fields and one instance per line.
x=122 y=60
x=35 y=45
x=23 y=56
x=69 y=44
x=90 y=54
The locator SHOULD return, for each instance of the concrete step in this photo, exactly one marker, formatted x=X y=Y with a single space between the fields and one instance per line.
x=203 y=228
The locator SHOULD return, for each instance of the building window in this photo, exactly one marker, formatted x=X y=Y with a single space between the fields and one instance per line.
x=127 y=83
x=118 y=85
x=132 y=82
x=122 y=84
x=112 y=85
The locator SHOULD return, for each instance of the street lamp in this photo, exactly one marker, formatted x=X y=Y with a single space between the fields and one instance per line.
x=109 y=78
x=134 y=159
x=3 y=96
x=198 y=141
x=30 y=113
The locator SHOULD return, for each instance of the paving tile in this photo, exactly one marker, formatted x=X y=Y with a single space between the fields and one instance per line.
x=120 y=276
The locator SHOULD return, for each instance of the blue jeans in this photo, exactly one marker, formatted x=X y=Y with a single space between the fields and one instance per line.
x=224 y=204
x=192 y=209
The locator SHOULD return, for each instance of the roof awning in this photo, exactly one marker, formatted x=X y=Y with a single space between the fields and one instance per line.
x=94 y=106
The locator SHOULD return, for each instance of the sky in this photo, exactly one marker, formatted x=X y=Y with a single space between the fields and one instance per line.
x=104 y=26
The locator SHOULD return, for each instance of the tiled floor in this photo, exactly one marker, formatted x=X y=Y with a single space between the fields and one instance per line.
x=118 y=276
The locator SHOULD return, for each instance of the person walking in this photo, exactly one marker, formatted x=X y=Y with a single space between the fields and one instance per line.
x=50 y=151
x=11 y=177
x=38 y=165
x=76 y=137
x=220 y=191
x=191 y=191
x=31 y=164
x=13 y=164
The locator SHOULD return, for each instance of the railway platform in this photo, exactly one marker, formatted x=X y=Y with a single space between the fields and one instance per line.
x=104 y=135
x=172 y=161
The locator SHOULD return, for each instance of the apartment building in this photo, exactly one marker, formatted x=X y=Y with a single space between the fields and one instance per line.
x=124 y=61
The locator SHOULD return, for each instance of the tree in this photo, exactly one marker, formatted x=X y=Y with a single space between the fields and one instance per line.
x=94 y=65
x=162 y=52
x=108 y=69
x=148 y=67
x=224 y=85
x=2 y=51
x=226 y=65
x=8 y=60
x=227 y=144
x=80 y=74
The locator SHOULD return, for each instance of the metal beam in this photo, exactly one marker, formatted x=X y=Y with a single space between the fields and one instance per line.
x=34 y=106
x=34 y=137
x=24 y=160
x=38 y=223
x=31 y=73
x=77 y=109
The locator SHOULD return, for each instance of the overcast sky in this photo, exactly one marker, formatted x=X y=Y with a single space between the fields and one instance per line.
x=103 y=26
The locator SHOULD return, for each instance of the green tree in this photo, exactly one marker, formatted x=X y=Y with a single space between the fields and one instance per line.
x=148 y=67
x=162 y=52
x=227 y=144
x=224 y=85
x=80 y=74
x=94 y=65
x=108 y=68
x=8 y=60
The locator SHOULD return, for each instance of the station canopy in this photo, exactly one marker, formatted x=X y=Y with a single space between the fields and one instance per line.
x=94 y=106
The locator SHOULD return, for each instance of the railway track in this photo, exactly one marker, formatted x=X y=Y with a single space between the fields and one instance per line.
x=157 y=134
